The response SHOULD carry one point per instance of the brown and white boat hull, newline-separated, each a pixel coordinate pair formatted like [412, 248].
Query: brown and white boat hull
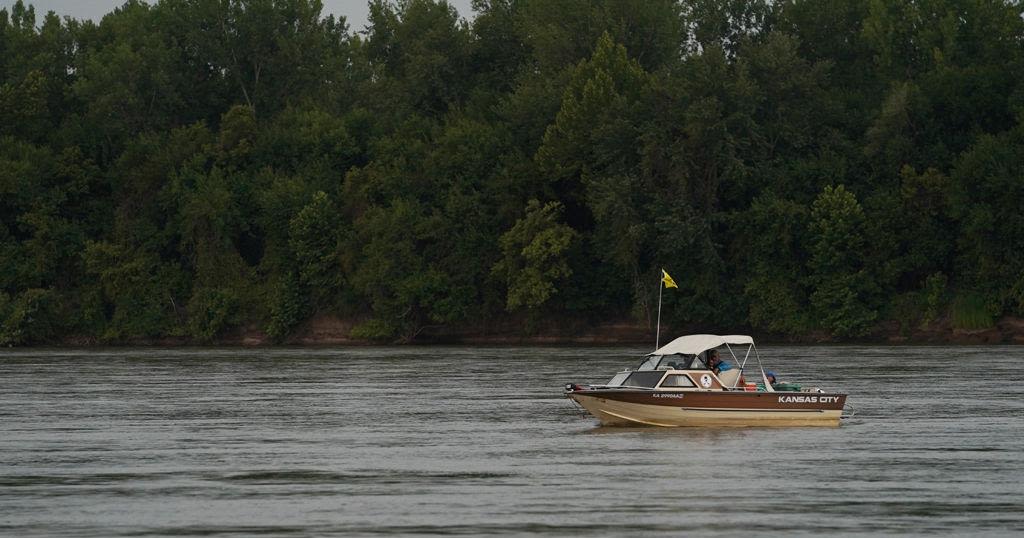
[711, 408]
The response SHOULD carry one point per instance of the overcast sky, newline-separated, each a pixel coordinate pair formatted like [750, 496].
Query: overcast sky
[354, 11]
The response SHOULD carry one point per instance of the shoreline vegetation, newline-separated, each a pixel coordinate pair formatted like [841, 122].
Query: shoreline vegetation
[331, 331]
[258, 172]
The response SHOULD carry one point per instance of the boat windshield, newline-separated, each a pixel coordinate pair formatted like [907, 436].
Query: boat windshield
[677, 361]
[619, 378]
[646, 379]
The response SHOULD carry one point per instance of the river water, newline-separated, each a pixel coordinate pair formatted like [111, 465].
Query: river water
[471, 441]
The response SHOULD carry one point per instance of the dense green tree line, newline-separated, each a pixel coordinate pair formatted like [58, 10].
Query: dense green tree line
[189, 167]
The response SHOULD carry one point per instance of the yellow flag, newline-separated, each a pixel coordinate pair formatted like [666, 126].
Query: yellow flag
[669, 283]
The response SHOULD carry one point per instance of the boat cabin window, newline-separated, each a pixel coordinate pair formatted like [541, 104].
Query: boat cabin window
[650, 362]
[646, 379]
[676, 361]
[683, 362]
[677, 380]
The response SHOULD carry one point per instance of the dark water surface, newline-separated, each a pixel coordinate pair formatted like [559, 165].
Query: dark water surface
[468, 441]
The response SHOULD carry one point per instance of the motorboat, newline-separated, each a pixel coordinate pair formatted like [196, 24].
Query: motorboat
[675, 386]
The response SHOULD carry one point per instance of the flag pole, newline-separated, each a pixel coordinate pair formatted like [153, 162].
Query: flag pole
[657, 332]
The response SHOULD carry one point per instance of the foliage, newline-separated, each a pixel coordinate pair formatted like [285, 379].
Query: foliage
[934, 297]
[776, 290]
[25, 319]
[139, 290]
[534, 255]
[192, 167]
[313, 235]
[211, 311]
[971, 312]
[374, 329]
[841, 285]
[288, 306]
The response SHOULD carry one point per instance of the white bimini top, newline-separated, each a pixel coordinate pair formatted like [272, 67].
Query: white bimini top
[693, 344]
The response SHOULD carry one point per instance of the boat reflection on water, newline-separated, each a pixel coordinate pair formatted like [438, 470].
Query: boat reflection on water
[675, 386]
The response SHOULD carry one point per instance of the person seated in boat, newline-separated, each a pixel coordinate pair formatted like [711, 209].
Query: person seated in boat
[772, 379]
[778, 386]
[716, 364]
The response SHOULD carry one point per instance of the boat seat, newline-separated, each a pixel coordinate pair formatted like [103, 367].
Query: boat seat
[730, 377]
